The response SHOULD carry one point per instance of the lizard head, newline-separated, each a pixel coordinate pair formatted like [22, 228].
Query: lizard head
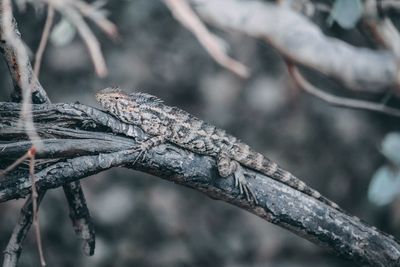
[110, 96]
[119, 104]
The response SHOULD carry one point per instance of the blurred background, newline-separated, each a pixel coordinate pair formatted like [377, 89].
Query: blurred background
[142, 220]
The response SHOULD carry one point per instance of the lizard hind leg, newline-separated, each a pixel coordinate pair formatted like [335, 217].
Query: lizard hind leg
[227, 167]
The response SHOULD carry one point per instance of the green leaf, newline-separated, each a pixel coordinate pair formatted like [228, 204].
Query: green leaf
[384, 186]
[346, 13]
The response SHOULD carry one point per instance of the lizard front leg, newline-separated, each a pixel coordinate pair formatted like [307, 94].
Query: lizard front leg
[227, 167]
[142, 147]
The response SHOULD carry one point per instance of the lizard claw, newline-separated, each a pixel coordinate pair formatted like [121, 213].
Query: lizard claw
[141, 155]
[141, 150]
[246, 193]
[227, 167]
[142, 147]
[244, 186]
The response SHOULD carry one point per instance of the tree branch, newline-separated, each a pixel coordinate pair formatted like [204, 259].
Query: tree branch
[39, 95]
[66, 128]
[80, 216]
[14, 246]
[303, 42]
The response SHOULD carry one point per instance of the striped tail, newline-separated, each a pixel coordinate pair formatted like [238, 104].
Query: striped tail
[258, 162]
[287, 178]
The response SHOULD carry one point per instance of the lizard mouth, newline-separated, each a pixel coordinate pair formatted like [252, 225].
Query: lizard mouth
[103, 102]
[98, 97]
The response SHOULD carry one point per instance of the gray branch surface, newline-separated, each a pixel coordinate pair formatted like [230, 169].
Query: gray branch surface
[80, 141]
[303, 42]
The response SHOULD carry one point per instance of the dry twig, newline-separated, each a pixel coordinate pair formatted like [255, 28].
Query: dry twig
[97, 16]
[73, 11]
[14, 164]
[86, 34]
[336, 100]
[43, 40]
[213, 44]
[31, 154]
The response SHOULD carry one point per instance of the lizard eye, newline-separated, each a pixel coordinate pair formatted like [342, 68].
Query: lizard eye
[117, 97]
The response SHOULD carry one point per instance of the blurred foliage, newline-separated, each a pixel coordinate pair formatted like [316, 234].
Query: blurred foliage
[385, 184]
[391, 147]
[346, 13]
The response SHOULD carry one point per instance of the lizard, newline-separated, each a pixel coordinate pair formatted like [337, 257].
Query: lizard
[170, 124]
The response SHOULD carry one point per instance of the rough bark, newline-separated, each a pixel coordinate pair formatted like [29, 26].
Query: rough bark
[79, 141]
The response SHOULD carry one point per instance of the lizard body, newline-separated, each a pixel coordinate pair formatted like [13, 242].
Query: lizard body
[174, 125]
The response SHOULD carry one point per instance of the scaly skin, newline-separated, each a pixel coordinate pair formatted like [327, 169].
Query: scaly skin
[174, 125]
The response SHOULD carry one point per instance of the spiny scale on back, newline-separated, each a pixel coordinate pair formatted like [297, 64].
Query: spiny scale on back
[189, 132]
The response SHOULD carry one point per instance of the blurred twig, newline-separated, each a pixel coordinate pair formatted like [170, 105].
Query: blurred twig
[336, 100]
[97, 15]
[15, 164]
[388, 5]
[87, 36]
[43, 40]
[74, 10]
[213, 44]
[10, 55]
[35, 209]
